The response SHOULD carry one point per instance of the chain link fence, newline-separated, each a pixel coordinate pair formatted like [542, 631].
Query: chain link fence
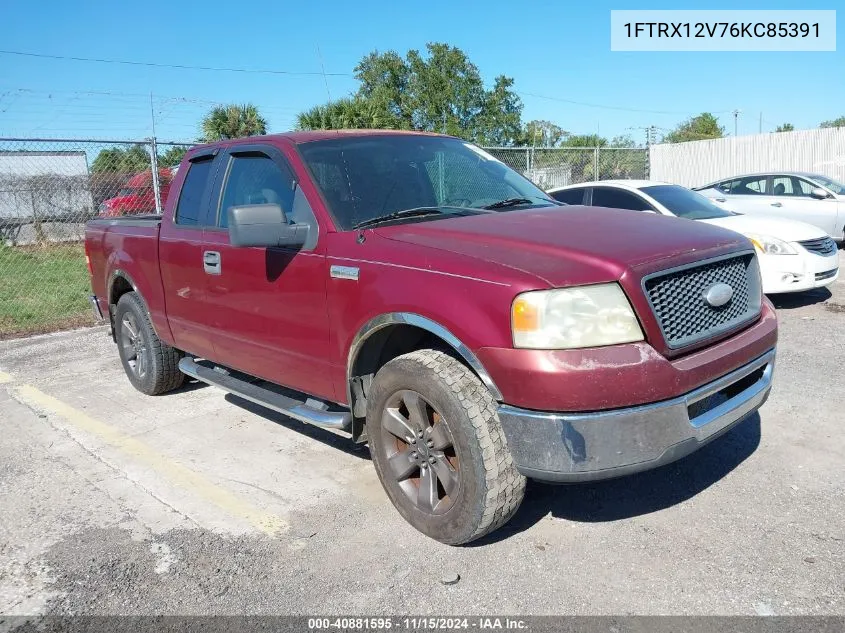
[48, 190]
[560, 166]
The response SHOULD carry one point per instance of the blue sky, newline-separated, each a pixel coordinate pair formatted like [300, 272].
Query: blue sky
[560, 50]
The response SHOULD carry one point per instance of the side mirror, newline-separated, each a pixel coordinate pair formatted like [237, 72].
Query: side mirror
[263, 225]
[818, 193]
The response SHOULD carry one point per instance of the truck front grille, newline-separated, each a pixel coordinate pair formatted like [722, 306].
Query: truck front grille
[678, 298]
[821, 246]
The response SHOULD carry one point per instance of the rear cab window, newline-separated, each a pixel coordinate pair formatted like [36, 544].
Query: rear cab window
[189, 211]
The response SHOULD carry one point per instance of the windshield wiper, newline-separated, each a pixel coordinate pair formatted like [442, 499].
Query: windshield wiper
[514, 202]
[404, 213]
[508, 202]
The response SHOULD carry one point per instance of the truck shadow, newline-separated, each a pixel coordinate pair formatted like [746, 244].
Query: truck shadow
[800, 299]
[188, 386]
[325, 436]
[639, 494]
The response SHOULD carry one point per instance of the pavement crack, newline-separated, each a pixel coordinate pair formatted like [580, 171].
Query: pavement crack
[273, 494]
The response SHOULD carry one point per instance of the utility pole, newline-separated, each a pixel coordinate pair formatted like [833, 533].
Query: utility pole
[736, 114]
[152, 114]
[154, 160]
[650, 133]
[650, 137]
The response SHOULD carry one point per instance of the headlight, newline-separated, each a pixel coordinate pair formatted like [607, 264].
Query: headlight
[770, 245]
[568, 318]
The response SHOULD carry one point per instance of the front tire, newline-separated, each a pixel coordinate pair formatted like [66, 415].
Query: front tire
[151, 365]
[439, 449]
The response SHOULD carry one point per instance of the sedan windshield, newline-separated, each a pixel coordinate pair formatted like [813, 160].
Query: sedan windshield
[685, 203]
[835, 186]
[367, 177]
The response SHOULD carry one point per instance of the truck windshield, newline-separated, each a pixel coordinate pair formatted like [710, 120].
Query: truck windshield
[367, 177]
[685, 203]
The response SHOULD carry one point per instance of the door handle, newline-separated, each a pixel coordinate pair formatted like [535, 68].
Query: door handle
[777, 204]
[720, 199]
[211, 262]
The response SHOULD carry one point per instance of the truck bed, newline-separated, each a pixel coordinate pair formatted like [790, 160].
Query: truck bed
[128, 244]
[127, 220]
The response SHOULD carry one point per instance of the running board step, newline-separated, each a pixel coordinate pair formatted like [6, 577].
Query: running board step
[297, 409]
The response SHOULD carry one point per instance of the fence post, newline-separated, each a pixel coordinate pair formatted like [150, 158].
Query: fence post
[154, 168]
[528, 163]
[596, 174]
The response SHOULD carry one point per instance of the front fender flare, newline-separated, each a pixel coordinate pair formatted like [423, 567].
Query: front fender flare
[408, 318]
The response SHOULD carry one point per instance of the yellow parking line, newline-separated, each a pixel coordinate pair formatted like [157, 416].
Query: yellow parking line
[4, 378]
[176, 473]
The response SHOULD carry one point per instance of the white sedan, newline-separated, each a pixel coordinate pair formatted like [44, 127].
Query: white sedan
[793, 255]
[802, 196]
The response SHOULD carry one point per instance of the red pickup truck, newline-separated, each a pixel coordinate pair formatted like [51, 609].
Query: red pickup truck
[137, 196]
[415, 292]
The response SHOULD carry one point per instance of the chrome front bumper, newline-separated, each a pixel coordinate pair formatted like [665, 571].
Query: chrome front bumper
[566, 447]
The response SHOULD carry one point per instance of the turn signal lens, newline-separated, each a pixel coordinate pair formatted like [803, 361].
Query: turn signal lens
[525, 316]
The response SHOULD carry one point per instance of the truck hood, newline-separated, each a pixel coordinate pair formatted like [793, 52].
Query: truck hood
[781, 228]
[573, 244]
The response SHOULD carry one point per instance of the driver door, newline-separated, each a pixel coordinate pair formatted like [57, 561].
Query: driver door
[267, 306]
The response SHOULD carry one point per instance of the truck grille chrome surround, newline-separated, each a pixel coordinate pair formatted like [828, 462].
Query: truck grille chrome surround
[679, 298]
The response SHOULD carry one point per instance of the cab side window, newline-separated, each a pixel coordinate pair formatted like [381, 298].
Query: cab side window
[258, 179]
[188, 209]
[255, 179]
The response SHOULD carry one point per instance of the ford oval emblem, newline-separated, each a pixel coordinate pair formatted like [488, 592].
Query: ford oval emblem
[718, 295]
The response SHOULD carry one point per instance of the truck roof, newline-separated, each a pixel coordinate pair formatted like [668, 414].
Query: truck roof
[307, 136]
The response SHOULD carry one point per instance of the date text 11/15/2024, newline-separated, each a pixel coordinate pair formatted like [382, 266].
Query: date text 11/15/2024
[416, 623]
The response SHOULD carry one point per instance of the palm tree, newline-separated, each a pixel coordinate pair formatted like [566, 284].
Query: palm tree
[232, 121]
[345, 113]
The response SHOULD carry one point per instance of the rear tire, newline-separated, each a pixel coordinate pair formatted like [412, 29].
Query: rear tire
[151, 365]
[439, 449]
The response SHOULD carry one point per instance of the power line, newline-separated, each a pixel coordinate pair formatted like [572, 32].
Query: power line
[607, 107]
[265, 71]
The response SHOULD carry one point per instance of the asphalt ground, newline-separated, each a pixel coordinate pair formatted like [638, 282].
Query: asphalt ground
[196, 502]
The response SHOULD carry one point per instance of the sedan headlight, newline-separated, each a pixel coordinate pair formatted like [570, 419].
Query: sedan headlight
[569, 318]
[769, 245]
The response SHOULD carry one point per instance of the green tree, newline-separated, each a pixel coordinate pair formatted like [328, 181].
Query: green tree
[232, 121]
[585, 140]
[349, 112]
[697, 128]
[172, 156]
[500, 119]
[786, 127]
[624, 140]
[542, 134]
[840, 122]
[132, 159]
[441, 91]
